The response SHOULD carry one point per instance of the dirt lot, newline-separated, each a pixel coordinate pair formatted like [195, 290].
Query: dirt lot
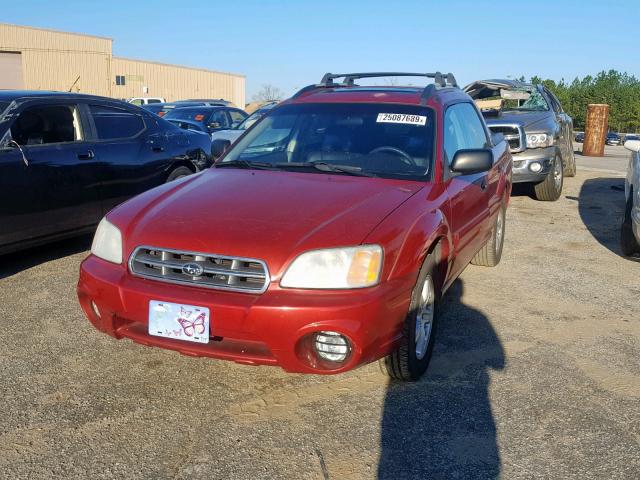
[535, 375]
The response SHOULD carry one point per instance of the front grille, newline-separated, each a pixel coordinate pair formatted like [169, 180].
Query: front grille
[513, 134]
[200, 269]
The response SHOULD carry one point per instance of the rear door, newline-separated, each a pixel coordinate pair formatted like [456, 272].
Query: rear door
[468, 194]
[50, 185]
[132, 152]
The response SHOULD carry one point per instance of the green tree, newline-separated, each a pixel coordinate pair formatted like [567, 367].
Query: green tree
[621, 91]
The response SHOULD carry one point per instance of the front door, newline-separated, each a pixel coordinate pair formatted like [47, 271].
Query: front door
[468, 194]
[49, 175]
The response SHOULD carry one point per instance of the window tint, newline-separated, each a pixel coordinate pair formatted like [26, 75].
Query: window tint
[219, 116]
[115, 123]
[44, 124]
[236, 117]
[463, 129]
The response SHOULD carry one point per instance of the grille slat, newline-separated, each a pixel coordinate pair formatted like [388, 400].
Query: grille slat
[513, 134]
[218, 271]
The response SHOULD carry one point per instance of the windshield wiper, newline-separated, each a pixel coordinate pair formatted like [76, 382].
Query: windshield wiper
[245, 164]
[327, 167]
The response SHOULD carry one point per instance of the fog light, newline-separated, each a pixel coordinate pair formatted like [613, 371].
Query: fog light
[95, 309]
[331, 346]
[535, 167]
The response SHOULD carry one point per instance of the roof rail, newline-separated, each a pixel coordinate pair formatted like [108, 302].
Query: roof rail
[440, 80]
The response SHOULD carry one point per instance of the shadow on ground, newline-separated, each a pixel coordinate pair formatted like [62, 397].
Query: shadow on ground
[601, 207]
[16, 262]
[443, 426]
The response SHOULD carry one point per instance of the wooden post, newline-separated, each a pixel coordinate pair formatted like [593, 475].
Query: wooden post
[595, 133]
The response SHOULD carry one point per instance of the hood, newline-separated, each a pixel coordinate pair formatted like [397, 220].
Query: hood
[529, 120]
[267, 215]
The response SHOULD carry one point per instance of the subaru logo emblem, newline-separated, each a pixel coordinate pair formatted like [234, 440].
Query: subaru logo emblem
[192, 269]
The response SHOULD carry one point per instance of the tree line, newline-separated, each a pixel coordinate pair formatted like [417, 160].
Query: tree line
[620, 91]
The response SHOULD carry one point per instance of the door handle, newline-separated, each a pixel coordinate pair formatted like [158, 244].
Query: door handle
[483, 184]
[88, 155]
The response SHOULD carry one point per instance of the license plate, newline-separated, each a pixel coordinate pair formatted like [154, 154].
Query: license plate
[178, 321]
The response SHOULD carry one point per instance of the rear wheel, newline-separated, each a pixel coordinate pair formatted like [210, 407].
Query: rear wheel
[491, 253]
[178, 173]
[570, 164]
[628, 242]
[411, 359]
[550, 189]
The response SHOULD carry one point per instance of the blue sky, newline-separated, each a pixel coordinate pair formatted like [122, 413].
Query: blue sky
[292, 43]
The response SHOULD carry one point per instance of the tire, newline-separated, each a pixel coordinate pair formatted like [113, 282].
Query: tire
[178, 173]
[410, 360]
[550, 189]
[491, 253]
[628, 243]
[570, 166]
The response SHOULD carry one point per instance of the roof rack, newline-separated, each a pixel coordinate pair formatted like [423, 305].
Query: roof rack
[440, 80]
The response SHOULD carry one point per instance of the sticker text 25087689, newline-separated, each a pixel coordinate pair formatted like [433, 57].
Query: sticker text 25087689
[401, 118]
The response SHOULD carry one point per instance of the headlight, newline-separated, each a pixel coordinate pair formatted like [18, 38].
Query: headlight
[107, 242]
[350, 267]
[539, 140]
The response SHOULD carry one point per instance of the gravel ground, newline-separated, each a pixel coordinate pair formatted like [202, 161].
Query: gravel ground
[534, 375]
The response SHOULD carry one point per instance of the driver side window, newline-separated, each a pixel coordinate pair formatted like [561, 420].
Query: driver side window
[46, 124]
[463, 130]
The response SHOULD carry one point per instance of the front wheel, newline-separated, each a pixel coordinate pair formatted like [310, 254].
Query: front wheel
[550, 189]
[411, 359]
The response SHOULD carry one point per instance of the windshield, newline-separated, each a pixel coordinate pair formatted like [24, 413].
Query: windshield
[254, 117]
[193, 114]
[385, 140]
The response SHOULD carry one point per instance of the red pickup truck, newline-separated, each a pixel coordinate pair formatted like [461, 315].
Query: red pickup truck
[321, 240]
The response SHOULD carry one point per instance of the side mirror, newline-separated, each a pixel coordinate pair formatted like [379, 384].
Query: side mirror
[633, 145]
[467, 162]
[214, 125]
[497, 137]
[219, 146]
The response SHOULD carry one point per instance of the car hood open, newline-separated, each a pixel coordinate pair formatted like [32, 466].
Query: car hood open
[267, 215]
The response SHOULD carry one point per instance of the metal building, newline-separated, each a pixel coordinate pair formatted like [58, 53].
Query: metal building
[40, 59]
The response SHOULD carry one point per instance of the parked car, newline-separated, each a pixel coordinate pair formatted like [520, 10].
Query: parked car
[67, 159]
[159, 109]
[323, 239]
[209, 118]
[580, 137]
[631, 137]
[630, 232]
[206, 101]
[232, 134]
[145, 100]
[613, 139]
[539, 132]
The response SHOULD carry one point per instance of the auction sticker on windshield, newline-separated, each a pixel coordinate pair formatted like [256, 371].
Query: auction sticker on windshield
[401, 118]
[180, 322]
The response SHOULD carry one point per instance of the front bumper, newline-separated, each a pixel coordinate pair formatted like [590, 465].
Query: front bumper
[523, 161]
[266, 329]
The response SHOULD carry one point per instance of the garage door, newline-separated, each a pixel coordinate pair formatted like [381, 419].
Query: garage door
[10, 71]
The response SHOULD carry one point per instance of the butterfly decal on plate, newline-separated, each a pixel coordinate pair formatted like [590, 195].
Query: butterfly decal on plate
[190, 327]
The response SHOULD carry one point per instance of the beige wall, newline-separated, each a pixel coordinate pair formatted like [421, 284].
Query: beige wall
[174, 82]
[53, 60]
